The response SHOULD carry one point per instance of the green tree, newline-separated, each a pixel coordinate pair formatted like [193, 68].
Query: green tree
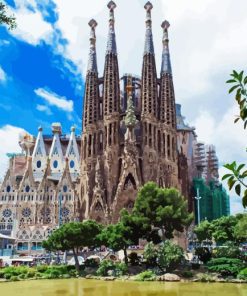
[151, 254]
[170, 255]
[6, 19]
[240, 231]
[223, 229]
[164, 208]
[117, 237]
[72, 236]
[140, 227]
[204, 231]
[228, 250]
[237, 178]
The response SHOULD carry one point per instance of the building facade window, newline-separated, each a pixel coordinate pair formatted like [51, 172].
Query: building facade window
[72, 164]
[55, 164]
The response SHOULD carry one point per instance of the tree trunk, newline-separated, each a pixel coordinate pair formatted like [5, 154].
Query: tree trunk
[77, 265]
[125, 256]
[163, 234]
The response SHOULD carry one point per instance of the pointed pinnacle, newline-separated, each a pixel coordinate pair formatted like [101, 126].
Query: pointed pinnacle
[111, 5]
[92, 23]
[148, 6]
[165, 25]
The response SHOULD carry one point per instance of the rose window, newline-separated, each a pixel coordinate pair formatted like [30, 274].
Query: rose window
[26, 212]
[7, 213]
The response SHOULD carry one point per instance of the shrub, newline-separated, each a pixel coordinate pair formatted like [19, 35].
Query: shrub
[147, 275]
[52, 273]
[72, 273]
[107, 265]
[187, 274]
[228, 250]
[1, 274]
[150, 254]
[38, 275]
[203, 254]
[205, 277]
[225, 266]
[7, 276]
[170, 255]
[243, 274]
[42, 268]
[22, 276]
[133, 257]
[31, 273]
[14, 278]
[16, 270]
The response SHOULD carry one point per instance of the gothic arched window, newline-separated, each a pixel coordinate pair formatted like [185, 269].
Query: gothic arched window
[129, 182]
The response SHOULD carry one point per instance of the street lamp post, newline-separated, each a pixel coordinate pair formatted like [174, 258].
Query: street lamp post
[198, 197]
[59, 210]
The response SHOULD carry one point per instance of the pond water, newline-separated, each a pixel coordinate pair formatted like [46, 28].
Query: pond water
[81, 287]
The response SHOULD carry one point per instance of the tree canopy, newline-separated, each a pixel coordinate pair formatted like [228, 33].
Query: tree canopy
[8, 20]
[163, 208]
[204, 231]
[117, 237]
[224, 229]
[72, 236]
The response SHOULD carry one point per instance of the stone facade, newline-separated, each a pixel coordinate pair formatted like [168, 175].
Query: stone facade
[124, 148]
[129, 137]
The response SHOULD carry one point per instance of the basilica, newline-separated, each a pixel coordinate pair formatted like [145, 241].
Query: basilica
[133, 132]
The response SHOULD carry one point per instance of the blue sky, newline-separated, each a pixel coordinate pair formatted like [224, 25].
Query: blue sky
[43, 62]
[30, 68]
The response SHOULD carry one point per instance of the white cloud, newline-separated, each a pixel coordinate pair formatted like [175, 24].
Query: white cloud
[44, 108]
[230, 142]
[3, 75]
[9, 135]
[229, 138]
[130, 31]
[55, 100]
[31, 27]
[204, 38]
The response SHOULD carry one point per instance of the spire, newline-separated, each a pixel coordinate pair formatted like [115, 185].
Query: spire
[39, 148]
[166, 63]
[130, 118]
[111, 41]
[149, 75]
[92, 61]
[111, 89]
[149, 46]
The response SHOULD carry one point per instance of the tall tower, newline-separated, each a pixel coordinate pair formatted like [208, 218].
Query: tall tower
[149, 76]
[149, 100]
[91, 133]
[91, 101]
[111, 105]
[167, 114]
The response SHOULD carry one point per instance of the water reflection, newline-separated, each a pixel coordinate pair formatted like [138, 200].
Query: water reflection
[80, 287]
